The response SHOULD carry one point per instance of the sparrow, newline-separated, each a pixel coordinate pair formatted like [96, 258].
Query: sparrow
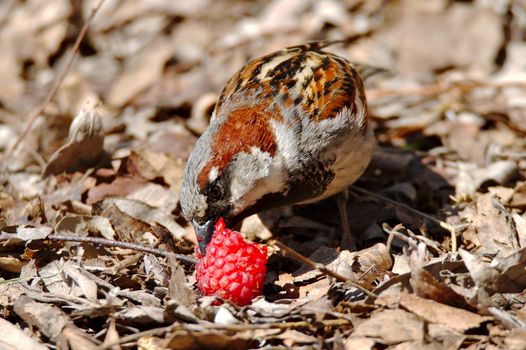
[290, 127]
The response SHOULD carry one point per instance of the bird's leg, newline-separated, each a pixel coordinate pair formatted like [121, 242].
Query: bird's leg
[348, 242]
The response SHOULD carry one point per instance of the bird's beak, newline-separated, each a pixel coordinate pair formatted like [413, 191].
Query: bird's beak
[204, 234]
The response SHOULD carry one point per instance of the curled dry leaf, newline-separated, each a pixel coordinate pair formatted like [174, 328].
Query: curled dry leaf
[11, 264]
[505, 275]
[426, 285]
[365, 265]
[83, 148]
[200, 117]
[253, 227]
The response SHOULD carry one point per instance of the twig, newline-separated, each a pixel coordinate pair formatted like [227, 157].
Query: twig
[58, 82]
[231, 328]
[135, 336]
[320, 267]
[125, 245]
[25, 279]
[439, 222]
[394, 233]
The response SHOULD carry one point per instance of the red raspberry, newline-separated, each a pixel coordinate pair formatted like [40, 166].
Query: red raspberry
[232, 268]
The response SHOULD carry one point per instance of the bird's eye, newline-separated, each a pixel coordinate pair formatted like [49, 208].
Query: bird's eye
[215, 192]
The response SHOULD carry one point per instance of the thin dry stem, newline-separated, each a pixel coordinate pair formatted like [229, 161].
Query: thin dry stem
[124, 245]
[287, 251]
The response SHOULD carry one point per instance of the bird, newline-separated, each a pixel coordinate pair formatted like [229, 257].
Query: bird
[290, 127]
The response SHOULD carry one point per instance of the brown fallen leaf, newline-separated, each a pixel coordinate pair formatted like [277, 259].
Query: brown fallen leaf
[82, 281]
[11, 264]
[60, 329]
[427, 286]
[143, 315]
[505, 275]
[127, 227]
[29, 32]
[150, 343]
[513, 272]
[178, 288]
[120, 187]
[156, 196]
[84, 146]
[26, 233]
[83, 225]
[142, 212]
[12, 337]
[494, 226]
[390, 327]
[435, 312]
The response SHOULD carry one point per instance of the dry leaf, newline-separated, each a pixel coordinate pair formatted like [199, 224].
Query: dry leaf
[177, 287]
[84, 225]
[11, 264]
[434, 312]
[494, 226]
[84, 147]
[14, 338]
[391, 327]
[503, 276]
[143, 212]
[40, 314]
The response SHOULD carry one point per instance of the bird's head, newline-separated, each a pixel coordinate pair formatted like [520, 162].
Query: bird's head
[234, 171]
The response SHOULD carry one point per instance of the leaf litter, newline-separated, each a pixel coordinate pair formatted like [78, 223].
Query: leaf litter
[93, 151]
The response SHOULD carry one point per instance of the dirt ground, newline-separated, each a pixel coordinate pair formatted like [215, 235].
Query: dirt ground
[100, 108]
